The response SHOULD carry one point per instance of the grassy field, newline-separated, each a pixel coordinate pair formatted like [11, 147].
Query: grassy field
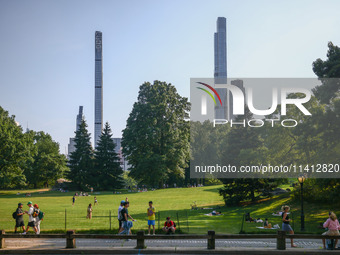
[168, 202]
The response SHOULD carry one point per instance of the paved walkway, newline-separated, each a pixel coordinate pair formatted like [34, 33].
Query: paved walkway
[104, 243]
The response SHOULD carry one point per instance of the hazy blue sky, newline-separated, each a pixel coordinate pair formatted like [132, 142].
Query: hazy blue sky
[47, 51]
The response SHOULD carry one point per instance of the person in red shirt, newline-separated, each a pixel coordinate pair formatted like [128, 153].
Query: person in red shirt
[169, 226]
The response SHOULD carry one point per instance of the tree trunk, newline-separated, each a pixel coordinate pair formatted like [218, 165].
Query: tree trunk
[252, 195]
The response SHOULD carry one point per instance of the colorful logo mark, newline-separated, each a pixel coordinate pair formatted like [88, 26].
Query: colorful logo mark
[209, 93]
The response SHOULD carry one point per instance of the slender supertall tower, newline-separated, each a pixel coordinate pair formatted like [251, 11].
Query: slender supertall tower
[220, 70]
[98, 85]
[79, 117]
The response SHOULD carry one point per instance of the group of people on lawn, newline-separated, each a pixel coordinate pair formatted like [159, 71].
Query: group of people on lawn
[35, 216]
[125, 225]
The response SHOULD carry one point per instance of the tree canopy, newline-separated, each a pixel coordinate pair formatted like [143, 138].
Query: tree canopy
[156, 138]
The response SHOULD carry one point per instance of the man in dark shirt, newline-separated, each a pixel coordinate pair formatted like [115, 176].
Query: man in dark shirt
[19, 221]
[126, 225]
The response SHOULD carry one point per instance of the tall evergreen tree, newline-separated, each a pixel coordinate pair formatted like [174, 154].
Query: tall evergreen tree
[107, 173]
[81, 160]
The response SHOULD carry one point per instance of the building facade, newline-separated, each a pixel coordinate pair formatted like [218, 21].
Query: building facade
[123, 162]
[71, 145]
[98, 85]
[220, 67]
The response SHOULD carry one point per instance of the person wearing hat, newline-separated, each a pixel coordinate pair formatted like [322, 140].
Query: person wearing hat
[151, 212]
[169, 226]
[37, 219]
[19, 220]
[31, 219]
[120, 217]
[126, 225]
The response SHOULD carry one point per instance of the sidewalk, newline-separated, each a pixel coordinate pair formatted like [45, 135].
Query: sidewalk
[170, 250]
[100, 246]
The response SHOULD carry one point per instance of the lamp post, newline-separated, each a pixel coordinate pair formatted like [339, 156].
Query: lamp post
[301, 180]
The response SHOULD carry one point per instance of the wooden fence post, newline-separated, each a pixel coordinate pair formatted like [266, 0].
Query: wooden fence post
[211, 240]
[281, 240]
[2, 240]
[140, 240]
[70, 239]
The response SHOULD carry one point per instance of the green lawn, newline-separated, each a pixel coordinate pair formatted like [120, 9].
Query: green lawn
[168, 202]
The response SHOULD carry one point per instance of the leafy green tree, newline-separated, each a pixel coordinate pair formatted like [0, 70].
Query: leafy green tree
[245, 146]
[156, 138]
[81, 160]
[329, 68]
[319, 137]
[48, 164]
[107, 173]
[15, 151]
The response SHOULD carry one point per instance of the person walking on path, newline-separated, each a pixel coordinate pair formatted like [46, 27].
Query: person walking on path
[285, 223]
[120, 218]
[89, 212]
[333, 226]
[126, 225]
[19, 219]
[38, 217]
[31, 219]
[151, 212]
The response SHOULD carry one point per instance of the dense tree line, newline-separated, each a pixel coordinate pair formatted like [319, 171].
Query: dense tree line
[313, 141]
[323, 138]
[99, 168]
[27, 159]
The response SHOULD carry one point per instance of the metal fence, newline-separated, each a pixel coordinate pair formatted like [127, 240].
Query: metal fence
[108, 220]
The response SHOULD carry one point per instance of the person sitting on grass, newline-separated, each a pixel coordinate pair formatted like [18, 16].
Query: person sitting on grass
[333, 226]
[169, 226]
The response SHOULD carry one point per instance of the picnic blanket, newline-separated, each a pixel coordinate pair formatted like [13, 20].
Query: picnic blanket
[210, 214]
[267, 228]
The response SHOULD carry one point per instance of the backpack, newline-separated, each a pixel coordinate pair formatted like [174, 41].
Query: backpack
[41, 215]
[173, 223]
[14, 215]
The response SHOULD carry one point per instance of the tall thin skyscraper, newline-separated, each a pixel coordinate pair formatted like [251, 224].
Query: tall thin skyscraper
[220, 70]
[72, 144]
[79, 117]
[98, 104]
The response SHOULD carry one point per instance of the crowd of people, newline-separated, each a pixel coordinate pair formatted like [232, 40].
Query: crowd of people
[35, 217]
[125, 220]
